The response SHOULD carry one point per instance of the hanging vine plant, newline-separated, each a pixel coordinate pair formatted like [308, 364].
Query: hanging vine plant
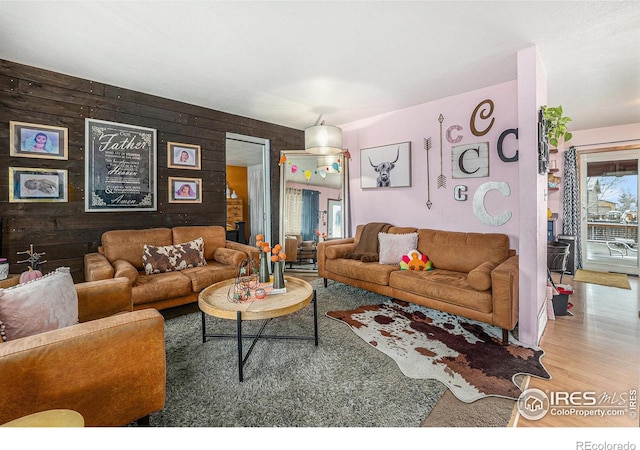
[557, 124]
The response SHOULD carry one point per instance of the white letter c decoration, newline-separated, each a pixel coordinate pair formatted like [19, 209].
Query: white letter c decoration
[478, 203]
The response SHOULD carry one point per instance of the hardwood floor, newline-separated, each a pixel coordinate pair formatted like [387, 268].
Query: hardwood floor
[597, 350]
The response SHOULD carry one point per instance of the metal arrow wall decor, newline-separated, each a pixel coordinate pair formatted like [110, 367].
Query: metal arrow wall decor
[427, 147]
[442, 180]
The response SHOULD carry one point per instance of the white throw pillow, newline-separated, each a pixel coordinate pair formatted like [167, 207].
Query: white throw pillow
[394, 246]
[44, 304]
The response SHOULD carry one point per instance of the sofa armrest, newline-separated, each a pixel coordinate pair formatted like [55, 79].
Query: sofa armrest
[97, 267]
[123, 268]
[111, 370]
[291, 249]
[335, 248]
[103, 298]
[229, 256]
[505, 285]
[249, 250]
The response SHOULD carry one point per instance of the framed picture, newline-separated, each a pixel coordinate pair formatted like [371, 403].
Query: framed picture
[31, 140]
[37, 185]
[185, 190]
[386, 166]
[120, 167]
[183, 156]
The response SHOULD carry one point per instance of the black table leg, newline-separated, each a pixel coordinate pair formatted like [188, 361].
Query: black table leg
[204, 331]
[315, 317]
[239, 334]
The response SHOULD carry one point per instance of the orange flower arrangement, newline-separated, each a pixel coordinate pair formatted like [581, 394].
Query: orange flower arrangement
[278, 254]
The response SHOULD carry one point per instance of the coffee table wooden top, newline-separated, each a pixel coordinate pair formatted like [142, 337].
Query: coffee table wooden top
[50, 418]
[214, 301]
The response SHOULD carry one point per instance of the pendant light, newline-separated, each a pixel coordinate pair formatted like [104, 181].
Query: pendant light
[323, 140]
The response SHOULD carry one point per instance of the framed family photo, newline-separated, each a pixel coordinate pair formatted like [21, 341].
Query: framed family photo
[37, 185]
[183, 156]
[185, 190]
[386, 166]
[31, 140]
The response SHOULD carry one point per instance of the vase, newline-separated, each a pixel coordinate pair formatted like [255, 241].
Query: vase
[278, 275]
[264, 267]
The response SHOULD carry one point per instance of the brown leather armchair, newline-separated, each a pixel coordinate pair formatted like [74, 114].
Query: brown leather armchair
[111, 367]
[298, 250]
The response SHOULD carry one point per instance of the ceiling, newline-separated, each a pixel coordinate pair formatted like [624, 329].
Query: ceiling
[299, 63]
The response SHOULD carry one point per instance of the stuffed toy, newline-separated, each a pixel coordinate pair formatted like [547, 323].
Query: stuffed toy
[414, 260]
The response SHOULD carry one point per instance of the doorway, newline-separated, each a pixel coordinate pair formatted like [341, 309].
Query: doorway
[609, 210]
[254, 154]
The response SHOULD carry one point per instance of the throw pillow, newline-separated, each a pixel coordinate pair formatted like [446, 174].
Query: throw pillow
[480, 277]
[415, 260]
[394, 246]
[173, 257]
[39, 305]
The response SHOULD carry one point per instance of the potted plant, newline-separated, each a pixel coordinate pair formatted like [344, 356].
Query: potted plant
[557, 124]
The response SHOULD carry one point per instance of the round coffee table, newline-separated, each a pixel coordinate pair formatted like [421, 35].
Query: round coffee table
[49, 418]
[215, 301]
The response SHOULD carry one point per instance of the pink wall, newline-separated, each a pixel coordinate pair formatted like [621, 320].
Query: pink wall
[407, 206]
[515, 106]
[532, 93]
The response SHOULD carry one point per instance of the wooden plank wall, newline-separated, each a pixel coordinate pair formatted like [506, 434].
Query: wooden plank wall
[64, 231]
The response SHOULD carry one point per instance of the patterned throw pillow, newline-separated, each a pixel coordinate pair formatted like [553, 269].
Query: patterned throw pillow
[44, 304]
[173, 257]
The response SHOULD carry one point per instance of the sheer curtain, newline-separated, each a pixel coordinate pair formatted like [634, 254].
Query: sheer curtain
[571, 208]
[293, 208]
[310, 207]
[255, 183]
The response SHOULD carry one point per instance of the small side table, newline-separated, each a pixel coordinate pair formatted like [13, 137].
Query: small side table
[50, 418]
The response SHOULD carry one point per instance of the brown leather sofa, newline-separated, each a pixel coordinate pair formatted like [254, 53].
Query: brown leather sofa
[121, 255]
[111, 367]
[475, 274]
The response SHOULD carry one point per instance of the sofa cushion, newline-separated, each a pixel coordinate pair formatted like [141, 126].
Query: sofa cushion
[204, 276]
[462, 252]
[129, 244]
[39, 305]
[402, 230]
[160, 286]
[480, 277]
[369, 272]
[442, 285]
[394, 246]
[173, 257]
[214, 237]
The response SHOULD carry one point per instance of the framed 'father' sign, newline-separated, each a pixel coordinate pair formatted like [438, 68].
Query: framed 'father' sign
[120, 167]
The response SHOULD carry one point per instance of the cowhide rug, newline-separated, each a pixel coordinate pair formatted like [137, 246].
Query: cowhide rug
[466, 355]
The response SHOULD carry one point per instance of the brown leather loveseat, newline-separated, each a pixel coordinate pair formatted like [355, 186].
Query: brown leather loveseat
[475, 275]
[123, 251]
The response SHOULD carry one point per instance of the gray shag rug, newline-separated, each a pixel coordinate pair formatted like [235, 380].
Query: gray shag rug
[344, 382]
